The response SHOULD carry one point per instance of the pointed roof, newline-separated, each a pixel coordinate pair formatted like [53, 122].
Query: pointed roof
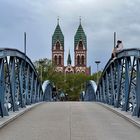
[69, 59]
[58, 35]
[80, 35]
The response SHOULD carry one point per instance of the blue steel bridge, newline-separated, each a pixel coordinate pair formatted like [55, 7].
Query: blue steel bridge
[118, 87]
[119, 84]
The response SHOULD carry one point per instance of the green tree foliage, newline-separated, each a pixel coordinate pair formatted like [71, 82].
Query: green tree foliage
[96, 76]
[72, 84]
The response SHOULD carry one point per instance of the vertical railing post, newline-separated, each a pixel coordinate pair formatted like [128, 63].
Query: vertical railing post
[137, 112]
[112, 85]
[13, 83]
[126, 85]
[3, 110]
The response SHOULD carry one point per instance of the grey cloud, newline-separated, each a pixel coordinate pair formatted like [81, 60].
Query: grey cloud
[100, 19]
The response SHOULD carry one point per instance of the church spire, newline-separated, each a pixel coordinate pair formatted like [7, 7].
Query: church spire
[69, 59]
[58, 35]
[58, 20]
[80, 36]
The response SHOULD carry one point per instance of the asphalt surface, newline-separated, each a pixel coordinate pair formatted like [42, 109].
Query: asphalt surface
[70, 121]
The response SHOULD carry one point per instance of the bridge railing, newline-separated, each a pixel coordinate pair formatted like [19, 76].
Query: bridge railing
[90, 91]
[119, 84]
[47, 90]
[19, 82]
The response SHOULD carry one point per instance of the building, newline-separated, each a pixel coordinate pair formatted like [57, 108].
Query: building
[80, 52]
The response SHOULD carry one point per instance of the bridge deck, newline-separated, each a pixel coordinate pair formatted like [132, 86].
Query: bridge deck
[69, 121]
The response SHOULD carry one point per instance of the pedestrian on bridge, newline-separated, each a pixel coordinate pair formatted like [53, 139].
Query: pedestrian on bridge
[62, 96]
[117, 48]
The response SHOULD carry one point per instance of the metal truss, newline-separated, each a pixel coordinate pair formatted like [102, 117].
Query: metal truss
[47, 90]
[19, 83]
[89, 94]
[119, 84]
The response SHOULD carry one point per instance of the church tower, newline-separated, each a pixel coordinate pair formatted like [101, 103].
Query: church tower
[80, 50]
[58, 48]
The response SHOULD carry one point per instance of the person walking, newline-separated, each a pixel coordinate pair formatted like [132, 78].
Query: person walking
[62, 96]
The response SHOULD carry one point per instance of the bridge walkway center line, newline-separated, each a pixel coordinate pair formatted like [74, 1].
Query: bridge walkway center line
[69, 121]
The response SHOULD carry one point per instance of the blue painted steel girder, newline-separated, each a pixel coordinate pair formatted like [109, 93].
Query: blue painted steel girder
[3, 110]
[47, 89]
[119, 82]
[19, 82]
[137, 108]
[90, 91]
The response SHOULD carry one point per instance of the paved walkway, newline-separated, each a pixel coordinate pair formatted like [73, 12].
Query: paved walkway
[69, 121]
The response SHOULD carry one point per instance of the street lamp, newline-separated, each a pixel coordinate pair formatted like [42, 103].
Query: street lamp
[41, 71]
[97, 62]
[41, 74]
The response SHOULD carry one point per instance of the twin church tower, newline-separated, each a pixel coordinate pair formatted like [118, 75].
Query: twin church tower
[80, 52]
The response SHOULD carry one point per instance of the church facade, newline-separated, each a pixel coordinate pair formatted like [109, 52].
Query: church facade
[80, 52]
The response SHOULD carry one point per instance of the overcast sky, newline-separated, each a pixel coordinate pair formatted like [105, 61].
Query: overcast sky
[100, 18]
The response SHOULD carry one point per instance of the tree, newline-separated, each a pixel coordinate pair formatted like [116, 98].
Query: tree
[72, 84]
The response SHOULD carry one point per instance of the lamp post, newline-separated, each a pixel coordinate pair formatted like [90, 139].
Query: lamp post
[25, 44]
[97, 62]
[41, 74]
[41, 71]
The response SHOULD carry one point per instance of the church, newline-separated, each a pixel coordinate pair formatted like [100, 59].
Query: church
[80, 52]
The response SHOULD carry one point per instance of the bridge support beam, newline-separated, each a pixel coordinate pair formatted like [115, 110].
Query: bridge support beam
[119, 84]
[126, 85]
[137, 108]
[13, 83]
[3, 109]
[19, 81]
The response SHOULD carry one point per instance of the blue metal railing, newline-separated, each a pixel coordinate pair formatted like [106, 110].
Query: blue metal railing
[19, 82]
[119, 84]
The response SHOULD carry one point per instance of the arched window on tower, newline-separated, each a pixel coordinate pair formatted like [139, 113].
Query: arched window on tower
[55, 60]
[78, 60]
[80, 45]
[83, 60]
[59, 60]
[57, 45]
